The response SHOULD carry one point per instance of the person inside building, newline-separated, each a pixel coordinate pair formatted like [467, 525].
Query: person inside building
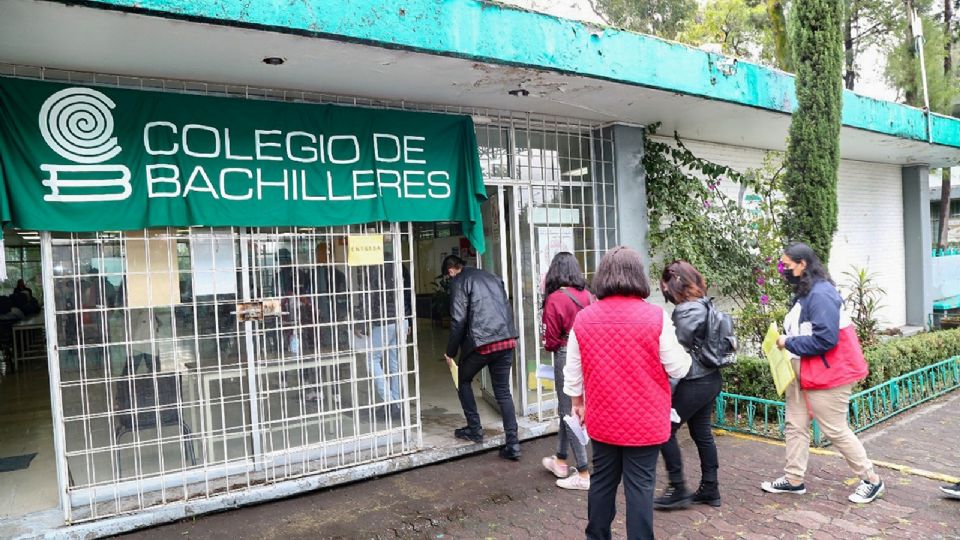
[620, 353]
[378, 305]
[21, 288]
[483, 332]
[565, 294]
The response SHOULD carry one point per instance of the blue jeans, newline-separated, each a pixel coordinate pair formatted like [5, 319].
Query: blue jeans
[385, 337]
[564, 436]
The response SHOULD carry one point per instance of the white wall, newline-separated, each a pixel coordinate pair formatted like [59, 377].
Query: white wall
[870, 223]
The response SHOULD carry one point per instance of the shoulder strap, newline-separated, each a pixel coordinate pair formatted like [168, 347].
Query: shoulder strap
[572, 297]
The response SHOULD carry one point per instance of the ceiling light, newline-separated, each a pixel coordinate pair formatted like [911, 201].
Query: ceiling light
[582, 171]
[274, 60]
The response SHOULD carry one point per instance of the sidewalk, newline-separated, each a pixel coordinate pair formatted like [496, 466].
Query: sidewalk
[483, 496]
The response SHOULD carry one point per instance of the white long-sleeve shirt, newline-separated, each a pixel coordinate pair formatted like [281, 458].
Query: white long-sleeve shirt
[675, 360]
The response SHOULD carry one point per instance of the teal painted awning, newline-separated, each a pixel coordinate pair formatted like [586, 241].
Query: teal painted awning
[491, 33]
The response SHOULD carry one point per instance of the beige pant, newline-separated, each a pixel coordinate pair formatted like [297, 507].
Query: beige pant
[830, 409]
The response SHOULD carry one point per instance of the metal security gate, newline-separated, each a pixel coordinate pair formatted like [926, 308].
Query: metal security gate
[550, 188]
[196, 362]
[161, 403]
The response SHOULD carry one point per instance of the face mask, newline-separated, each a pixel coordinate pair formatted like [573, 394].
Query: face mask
[792, 279]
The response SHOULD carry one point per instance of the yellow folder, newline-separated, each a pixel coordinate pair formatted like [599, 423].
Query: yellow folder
[781, 367]
[455, 373]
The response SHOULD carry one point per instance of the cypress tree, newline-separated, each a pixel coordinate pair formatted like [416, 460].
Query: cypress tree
[813, 151]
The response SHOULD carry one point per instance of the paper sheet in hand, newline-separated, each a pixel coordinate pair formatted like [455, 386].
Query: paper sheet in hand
[455, 373]
[545, 372]
[579, 431]
[780, 365]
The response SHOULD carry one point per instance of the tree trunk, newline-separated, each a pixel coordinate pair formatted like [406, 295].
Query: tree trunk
[944, 236]
[948, 38]
[850, 74]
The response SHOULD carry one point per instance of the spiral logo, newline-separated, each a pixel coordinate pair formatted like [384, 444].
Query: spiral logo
[77, 123]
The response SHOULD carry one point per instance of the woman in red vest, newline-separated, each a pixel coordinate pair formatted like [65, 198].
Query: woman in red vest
[620, 352]
[564, 296]
[828, 361]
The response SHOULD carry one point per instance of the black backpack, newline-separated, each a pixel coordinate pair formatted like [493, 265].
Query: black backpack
[718, 348]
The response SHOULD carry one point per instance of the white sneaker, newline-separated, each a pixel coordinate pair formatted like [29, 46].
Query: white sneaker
[558, 470]
[575, 481]
[866, 492]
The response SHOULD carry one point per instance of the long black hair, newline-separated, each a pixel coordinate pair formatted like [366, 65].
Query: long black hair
[564, 272]
[814, 272]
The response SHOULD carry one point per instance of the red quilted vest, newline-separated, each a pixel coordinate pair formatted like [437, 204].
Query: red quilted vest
[625, 387]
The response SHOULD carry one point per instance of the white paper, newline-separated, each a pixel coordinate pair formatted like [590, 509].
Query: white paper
[674, 417]
[545, 372]
[578, 430]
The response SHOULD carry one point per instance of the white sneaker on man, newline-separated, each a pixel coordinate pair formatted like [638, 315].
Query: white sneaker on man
[559, 470]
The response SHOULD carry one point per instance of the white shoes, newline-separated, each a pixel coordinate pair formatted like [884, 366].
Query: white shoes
[575, 481]
[558, 470]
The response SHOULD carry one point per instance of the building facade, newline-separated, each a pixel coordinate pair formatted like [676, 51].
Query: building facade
[200, 361]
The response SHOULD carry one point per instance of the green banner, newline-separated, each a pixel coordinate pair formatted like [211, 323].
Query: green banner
[76, 158]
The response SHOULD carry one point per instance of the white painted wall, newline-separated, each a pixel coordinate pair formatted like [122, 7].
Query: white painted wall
[870, 224]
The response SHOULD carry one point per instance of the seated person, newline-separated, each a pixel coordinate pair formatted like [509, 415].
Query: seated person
[22, 288]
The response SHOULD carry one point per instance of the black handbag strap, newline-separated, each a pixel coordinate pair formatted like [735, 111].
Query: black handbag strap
[572, 297]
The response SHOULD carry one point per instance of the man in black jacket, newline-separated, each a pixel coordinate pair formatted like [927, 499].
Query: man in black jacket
[482, 329]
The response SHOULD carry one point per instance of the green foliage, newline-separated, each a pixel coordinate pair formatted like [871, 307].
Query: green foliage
[903, 69]
[741, 28]
[899, 356]
[735, 244]
[813, 152]
[662, 18]
[779, 35]
[863, 302]
[750, 376]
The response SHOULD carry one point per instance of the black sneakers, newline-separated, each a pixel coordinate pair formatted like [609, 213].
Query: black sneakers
[781, 485]
[707, 494]
[511, 452]
[468, 434]
[674, 497]
[866, 492]
[952, 491]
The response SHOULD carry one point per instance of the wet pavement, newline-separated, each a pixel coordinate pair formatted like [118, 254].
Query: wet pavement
[483, 496]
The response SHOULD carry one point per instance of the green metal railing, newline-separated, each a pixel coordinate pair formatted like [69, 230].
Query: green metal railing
[945, 252]
[765, 418]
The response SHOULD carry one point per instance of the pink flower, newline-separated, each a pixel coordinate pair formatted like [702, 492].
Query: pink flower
[761, 280]
[780, 267]
[706, 204]
[764, 300]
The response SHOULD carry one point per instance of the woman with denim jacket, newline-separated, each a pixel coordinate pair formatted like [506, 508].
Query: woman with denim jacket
[828, 362]
[694, 395]
[564, 296]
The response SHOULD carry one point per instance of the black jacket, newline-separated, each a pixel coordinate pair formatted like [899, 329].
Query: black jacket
[479, 311]
[690, 321]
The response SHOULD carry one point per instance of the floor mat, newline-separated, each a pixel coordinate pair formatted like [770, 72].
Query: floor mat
[16, 463]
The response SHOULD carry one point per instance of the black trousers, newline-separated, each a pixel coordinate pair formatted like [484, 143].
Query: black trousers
[498, 364]
[694, 401]
[637, 465]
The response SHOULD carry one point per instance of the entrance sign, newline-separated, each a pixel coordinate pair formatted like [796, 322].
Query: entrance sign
[76, 159]
[364, 249]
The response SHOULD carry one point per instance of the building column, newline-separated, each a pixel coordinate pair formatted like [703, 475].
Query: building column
[631, 185]
[917, 243]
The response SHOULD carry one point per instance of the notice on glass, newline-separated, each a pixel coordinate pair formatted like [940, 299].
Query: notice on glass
[364, 249]
[780, 365]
